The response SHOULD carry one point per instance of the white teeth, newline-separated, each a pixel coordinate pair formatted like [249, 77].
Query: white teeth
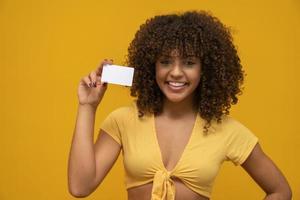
[176, 84]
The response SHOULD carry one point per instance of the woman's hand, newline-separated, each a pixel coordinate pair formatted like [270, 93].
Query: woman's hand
[90, 89]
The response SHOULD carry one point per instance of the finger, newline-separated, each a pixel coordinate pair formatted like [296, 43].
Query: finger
[103, 85]
[87, 81]
[110, 61]
[100, 67]
[93, 77]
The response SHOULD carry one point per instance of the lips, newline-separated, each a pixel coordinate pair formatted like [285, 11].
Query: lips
[176, 86]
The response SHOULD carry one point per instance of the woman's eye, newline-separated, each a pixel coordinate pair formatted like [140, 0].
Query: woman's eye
[190, 63]
[165, 62]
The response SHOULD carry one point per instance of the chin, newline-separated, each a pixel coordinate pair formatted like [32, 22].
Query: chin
[175, 99]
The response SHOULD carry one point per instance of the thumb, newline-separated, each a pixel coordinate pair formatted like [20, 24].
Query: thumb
[101, 85]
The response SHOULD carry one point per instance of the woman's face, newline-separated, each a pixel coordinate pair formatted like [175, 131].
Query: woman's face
[178, 77]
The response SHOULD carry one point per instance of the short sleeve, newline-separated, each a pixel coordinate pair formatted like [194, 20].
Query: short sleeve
[240, 143]
[111, 126]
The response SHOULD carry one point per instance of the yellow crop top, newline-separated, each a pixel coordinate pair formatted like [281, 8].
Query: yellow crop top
[199, 162]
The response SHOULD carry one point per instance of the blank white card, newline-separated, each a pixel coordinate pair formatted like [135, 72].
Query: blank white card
[117, 74]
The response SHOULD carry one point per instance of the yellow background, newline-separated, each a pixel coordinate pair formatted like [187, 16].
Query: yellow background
[47, 46]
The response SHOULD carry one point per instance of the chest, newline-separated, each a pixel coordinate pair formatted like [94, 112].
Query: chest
[172, 138]
[176, 146]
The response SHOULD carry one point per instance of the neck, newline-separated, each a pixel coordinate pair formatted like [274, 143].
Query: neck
[178, 109]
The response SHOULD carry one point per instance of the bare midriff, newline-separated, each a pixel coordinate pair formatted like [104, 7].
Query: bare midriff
[143, 192]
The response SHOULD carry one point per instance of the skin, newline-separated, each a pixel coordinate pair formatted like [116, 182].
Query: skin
[181, 70]
[267, 175]
[178, 112]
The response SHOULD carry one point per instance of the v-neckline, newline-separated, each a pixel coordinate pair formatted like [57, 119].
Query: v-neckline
[184, 149]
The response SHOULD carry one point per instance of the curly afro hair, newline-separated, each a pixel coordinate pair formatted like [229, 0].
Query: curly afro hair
[196, 33]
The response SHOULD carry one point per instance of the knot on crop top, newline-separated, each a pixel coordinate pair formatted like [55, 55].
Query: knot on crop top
[163, 186]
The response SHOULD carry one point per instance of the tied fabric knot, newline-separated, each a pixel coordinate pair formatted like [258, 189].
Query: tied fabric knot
[163, 186]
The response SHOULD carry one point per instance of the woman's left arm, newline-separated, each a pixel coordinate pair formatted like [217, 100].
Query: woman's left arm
[265, 173]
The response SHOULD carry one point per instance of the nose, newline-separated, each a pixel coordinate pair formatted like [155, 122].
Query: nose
[176, 70]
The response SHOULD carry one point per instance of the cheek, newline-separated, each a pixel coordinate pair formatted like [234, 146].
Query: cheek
[160, 75]
[157, 77]
[195, 76]
[159, 80]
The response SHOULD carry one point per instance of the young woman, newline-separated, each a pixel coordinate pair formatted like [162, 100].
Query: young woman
[177, 133]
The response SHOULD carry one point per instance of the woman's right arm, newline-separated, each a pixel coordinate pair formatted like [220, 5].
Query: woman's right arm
[88, 162]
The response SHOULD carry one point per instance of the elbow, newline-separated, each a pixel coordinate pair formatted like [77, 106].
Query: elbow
[289, 194]
[282, 195]
[80, 188]
[78, 193]
[286, 195]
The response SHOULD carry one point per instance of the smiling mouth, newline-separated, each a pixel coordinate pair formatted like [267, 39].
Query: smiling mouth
[176, 86]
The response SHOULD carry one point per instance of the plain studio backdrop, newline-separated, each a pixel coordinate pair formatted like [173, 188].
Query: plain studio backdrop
[47, 46]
